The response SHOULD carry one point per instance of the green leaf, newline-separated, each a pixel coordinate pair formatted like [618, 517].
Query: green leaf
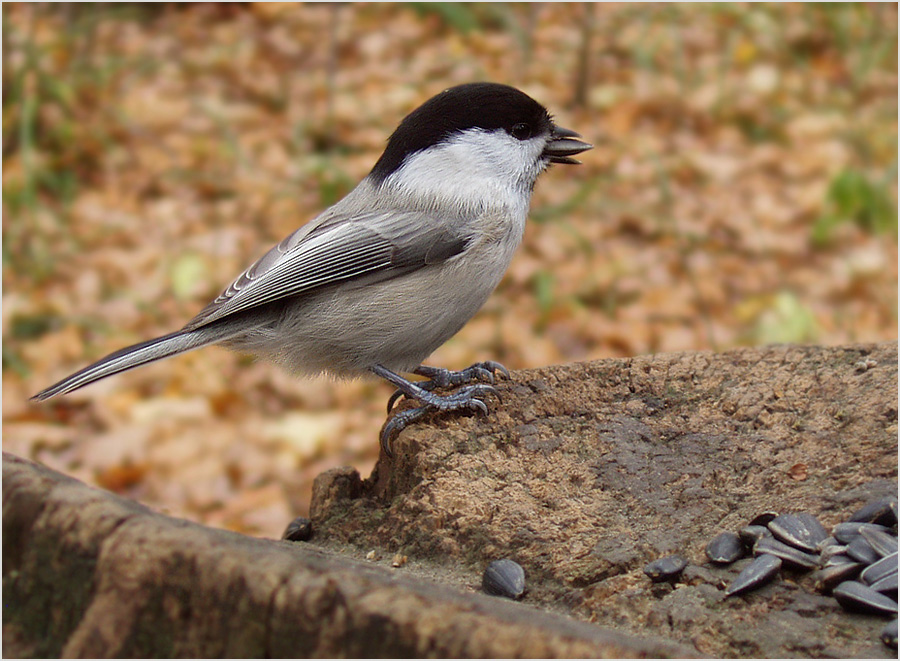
[787, 320]
[185, 273]
[853, 197]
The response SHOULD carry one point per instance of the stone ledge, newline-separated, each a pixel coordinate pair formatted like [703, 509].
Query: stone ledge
[586, 472]
[582, 474]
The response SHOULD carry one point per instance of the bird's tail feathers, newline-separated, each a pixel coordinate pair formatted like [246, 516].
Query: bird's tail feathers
[129, 357]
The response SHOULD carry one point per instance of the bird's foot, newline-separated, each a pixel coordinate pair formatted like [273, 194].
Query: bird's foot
[439, 377]
[469, 397]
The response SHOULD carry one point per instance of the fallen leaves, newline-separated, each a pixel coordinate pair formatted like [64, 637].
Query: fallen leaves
[742, 190]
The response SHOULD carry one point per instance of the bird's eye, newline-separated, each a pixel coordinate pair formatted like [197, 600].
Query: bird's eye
[521, 131]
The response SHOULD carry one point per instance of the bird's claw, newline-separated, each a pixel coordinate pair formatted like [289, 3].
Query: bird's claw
[397, 424]
[443, 378]
[492, 366]
[465, 398]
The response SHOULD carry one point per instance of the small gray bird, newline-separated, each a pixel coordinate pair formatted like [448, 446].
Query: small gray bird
[377, 282]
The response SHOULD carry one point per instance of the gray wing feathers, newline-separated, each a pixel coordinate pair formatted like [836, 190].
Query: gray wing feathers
[341, 251]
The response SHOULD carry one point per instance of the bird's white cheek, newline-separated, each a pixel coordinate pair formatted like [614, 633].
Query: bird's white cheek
[475, 169]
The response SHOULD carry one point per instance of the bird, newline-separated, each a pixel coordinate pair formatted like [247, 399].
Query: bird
[378, 281]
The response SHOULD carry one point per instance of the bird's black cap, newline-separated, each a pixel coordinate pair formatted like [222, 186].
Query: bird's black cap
[488, 106]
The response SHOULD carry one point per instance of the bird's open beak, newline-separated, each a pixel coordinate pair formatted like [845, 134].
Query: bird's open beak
[562, 146]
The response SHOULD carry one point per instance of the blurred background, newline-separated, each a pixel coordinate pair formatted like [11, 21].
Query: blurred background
[743, 191]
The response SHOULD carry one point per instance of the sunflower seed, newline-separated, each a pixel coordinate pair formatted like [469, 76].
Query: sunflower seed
[828, 541]
[759, 572]
[763, 519]
[883, 511]
[827, 578]
[883, 543]
[886, 584]
[665, 569]
[878, 570]
[860, 549]
[855, 596]
[837, 559]
[889, 634]
[752, 534]
[298, 530]
[725, 548]
[847, 532]
[801, 530]
[792, 556]
[504, 578]
[826, 553]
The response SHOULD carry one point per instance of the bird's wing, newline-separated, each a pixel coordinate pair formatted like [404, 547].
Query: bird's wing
[385, 242]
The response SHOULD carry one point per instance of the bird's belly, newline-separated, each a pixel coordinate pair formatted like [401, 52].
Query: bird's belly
[396, 323]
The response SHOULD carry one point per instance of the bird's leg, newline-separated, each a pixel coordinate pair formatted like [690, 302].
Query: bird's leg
[439, 377]
[464, 398]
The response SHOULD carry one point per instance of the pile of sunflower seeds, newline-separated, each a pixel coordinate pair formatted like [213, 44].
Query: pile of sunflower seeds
[856, 563]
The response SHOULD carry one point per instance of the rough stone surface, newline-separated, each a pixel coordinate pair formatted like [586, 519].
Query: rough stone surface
[583, 474]
[89, 574]
[587, 472]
